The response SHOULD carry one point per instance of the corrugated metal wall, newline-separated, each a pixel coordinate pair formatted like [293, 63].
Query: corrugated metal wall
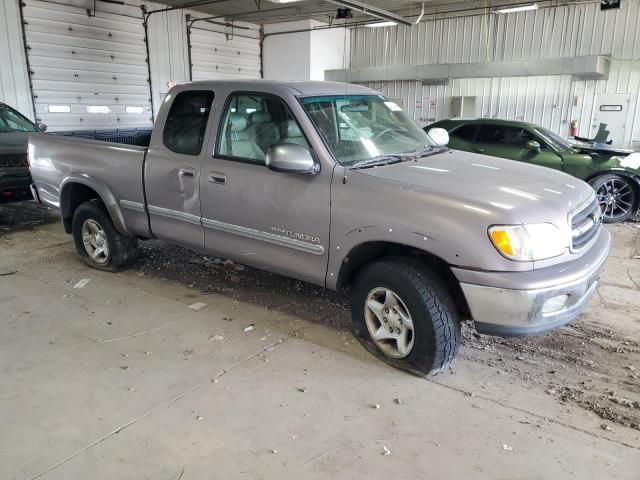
[553, 101]
[14, 80]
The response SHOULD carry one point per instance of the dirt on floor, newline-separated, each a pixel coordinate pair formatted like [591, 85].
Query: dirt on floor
[593, 364]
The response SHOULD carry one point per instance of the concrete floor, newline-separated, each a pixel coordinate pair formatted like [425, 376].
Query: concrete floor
[121, 379]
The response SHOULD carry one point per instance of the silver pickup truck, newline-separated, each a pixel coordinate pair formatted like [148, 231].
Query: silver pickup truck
[333, 184]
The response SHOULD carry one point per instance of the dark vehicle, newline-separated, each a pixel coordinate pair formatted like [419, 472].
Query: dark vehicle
[15, 179]
[615, 178]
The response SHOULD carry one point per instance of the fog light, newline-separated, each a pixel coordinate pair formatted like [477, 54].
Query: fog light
[555, 304]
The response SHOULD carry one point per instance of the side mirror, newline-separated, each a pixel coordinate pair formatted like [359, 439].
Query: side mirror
[439, 136]
[291, 158]
[532, 145]
[42, 127]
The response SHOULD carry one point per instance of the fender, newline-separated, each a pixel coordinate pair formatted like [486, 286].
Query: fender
[103, 192]
[342, 249]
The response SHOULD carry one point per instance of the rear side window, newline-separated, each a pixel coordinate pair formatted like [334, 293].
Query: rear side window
[186, 124]
[465, 132]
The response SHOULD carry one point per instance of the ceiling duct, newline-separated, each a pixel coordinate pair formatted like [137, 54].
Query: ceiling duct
[373, 11]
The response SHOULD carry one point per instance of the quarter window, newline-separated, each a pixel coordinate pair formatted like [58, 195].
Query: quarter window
[186, 124]
[253, 123]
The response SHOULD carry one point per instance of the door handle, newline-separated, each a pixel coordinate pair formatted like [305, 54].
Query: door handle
[217, 177]
[187, 173]
[479, 150]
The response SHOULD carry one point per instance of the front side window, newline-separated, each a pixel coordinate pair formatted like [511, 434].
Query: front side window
[186, 124]
[362, 127]
[253, 123]
[506, 136]
[12, 121]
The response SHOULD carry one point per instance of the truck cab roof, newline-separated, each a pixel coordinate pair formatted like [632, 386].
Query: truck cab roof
[297, 88]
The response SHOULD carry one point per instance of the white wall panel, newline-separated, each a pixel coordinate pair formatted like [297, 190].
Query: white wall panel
[81, 61]
[565, 31]
[14, 79]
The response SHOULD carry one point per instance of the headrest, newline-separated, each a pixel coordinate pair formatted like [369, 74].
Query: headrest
[259, 117]
[238, 122]
[293, 130]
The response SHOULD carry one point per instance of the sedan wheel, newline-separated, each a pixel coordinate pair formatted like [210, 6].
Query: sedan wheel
[616, 197]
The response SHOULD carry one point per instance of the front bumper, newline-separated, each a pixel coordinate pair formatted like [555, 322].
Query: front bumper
[14, 184]
[529, 303]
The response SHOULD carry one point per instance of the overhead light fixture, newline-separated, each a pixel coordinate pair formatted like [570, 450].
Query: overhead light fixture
[518, 8]
[381, 24]
[284, 1]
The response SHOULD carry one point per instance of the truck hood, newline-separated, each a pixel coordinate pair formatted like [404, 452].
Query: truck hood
[14, 142]
[528, 192]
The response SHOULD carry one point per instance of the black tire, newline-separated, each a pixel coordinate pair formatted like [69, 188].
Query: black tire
[622, 193]
[436, 323]
[122, 251]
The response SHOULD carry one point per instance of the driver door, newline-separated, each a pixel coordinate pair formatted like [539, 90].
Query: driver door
[272, 220]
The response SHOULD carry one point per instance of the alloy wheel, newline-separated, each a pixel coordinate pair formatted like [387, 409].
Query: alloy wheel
[95, 241]
[389, 322]
[616, 198]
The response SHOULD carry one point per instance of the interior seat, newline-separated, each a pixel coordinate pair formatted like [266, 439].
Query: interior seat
[293, 134]
[242, 144]
[262, 130]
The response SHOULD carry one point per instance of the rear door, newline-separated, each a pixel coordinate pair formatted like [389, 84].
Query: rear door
[172, 169]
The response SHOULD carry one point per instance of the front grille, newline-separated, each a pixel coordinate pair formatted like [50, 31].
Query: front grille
[585, 224]
[14, 160]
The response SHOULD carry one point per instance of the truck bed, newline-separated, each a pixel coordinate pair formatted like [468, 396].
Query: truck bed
[113, 171]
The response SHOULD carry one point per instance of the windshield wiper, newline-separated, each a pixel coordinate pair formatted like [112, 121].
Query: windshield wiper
[378, 161]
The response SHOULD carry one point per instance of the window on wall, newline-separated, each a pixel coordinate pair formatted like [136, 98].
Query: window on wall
[253, 123]
[186, 124]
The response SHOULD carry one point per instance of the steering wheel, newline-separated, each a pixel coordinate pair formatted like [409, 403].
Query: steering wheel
[383, 132]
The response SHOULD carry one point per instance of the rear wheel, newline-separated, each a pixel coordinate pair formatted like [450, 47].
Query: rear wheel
[98, 242]
[617, 197]
[403, 314]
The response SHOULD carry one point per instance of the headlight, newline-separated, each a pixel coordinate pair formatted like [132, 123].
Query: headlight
[526, 243]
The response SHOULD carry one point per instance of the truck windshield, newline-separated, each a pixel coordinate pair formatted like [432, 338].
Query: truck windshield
[364, 127]
[12, 121]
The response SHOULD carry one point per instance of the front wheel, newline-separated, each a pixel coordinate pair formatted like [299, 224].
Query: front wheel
[617, 196]
[98, 242]
[403, 314]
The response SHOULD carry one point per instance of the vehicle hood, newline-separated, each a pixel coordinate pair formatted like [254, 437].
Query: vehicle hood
[504, 188]
[14, 142]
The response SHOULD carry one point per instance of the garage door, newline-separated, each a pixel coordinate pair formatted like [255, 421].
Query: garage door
[219, 52]
[88, 69]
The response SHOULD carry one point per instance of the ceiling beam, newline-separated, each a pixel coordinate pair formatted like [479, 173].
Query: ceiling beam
[372, 10]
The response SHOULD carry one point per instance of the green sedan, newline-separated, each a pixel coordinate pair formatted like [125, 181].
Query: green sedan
[615, 179]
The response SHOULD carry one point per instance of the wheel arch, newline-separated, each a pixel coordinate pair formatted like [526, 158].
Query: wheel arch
[370, 251]
[77, 189]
